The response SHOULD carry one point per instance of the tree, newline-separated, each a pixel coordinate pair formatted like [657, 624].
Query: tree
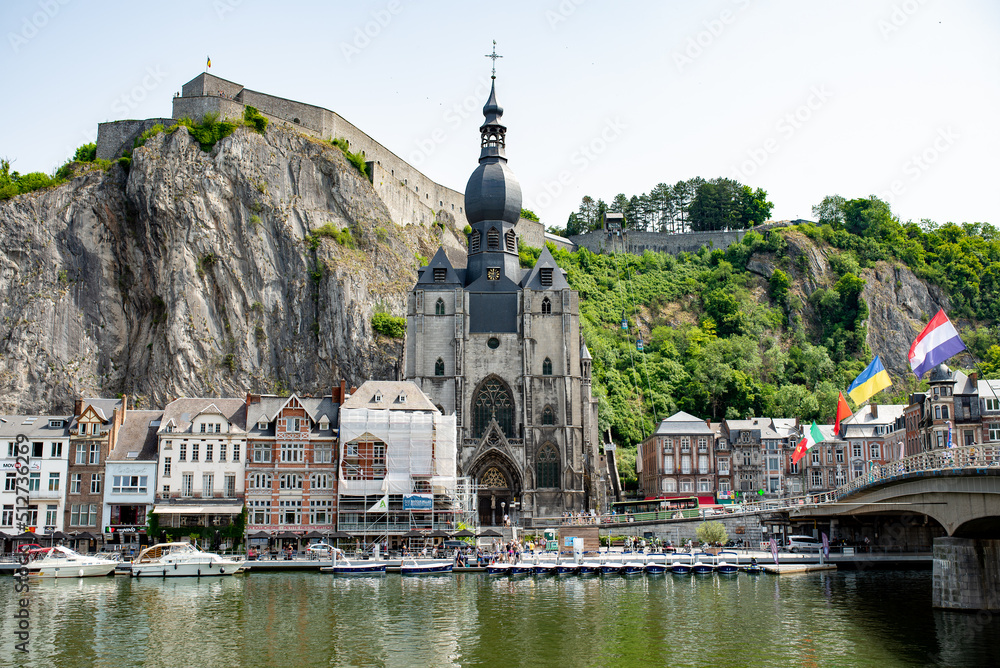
[712, 532]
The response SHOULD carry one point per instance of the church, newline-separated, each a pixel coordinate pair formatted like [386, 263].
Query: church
[499, 346]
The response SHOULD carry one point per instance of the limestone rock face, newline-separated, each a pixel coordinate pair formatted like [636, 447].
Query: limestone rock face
[194, 274]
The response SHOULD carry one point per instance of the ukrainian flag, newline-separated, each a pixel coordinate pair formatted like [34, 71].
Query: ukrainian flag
[872, 380]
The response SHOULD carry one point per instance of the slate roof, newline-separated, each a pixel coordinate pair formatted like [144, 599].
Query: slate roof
[104, 408]
[270, 405]
[181, 412]
[533, 280]
[683, 423]
[453, 277]
[137, 435]
[12, 425]
[862, 424]
[364, 396]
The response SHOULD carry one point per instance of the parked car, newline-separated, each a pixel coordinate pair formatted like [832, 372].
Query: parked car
[452, 544]
[319, 548]
[803, 544]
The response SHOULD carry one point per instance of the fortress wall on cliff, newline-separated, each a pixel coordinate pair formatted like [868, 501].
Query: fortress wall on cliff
[636, 241]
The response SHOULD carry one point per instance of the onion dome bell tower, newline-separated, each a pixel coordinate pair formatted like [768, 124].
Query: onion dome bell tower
[493, 206]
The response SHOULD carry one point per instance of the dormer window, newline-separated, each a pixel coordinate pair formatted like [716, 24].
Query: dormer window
[545, 276]
[377, 398]
[324, 424]
[83, 429]
[55, 423]
[474, 241]
[262, 425]
[401, 399]
[493, 239]
[440, 274]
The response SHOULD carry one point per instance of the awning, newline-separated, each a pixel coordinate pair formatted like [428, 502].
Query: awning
[197, 510]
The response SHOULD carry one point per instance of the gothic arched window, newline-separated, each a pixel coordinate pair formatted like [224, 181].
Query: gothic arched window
[546, 306]
[548, 415]
[492, 401]
[547, 367]
[547, 466]
[510, 241]
[493, 478]
[474, 241]
[439, 307]
[439, 367]
[493, 239]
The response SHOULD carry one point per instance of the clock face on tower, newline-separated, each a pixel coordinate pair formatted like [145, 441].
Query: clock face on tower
[493, 274]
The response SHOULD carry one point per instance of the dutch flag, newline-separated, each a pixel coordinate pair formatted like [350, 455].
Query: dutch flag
[938, 342]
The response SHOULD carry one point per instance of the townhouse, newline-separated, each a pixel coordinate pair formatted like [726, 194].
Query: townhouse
[679, 459]
[130, 475]
[92, 435]
[47, 451]
[874, 435]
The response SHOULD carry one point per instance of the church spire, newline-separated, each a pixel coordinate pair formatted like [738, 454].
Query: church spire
[493, 132]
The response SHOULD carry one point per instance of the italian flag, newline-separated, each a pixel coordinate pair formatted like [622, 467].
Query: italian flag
[813, 436]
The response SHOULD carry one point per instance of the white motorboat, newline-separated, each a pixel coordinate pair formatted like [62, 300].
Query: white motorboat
[343, 566]
[498, 568]
[635, 567]
[682, 563]
[411, 566]
[182, 560]
[656, 564]
[61, 562]
[727, 563]
[590, 568]
[704, 564]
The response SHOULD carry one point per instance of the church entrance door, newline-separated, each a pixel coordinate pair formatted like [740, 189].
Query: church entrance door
[495, 497]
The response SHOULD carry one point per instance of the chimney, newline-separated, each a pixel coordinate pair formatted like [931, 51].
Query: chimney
[124, 408]
[874, 408]
[77, 407]
[974, 377]
[708, 423]
[343, 390]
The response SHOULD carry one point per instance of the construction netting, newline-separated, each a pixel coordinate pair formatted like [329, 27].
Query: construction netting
[418, 446]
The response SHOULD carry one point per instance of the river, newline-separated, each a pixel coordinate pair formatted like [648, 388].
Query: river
[872, 618]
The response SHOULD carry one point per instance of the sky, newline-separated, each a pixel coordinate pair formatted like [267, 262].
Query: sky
[894, 98]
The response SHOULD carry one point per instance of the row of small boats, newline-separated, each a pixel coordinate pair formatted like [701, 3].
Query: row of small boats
[161, 560]
[702, 563]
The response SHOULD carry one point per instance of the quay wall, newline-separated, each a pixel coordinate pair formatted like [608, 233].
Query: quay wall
[966, 574]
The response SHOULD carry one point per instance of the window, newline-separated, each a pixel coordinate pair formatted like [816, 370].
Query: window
[723, 466]
[547, 367]
[856, 449]
[82, 429]
[34, 482]
[817, 478]
[815, 456]
[323, 454]
[56, 449]
[95, 454]
[474, 241]
[547, 466]
[290, 512]
[290, 481]
[83, 514]
[166, 467]
[492, 401]
[685, 464]
[204, 427]
[321, 481]
[321, 512]
[230, 485]
[182, 455]
[669, 485]
[944, 412]
[668, 463]
[993, 404]
[995, 431]
[940, 439]
[439, 367]
[546, 306]
[704, 485]
[969, 438]
[207, 484]
[440, 273]
[8, 516]
[95, 429]
[702, 444]
[723, 485]
[686, 486]
[548, 415]
[260, 481]
[236, 452]
[262, 425]
[510, 241]
[75, 482]
[194, 451]
[685, 444]
[876, 451]
[493, 239]
[793, 467]
[10, 483]
[187, 484]
[292, 452]
[128, 484]
[53, 482]
[702, 463]
[95, 483]
[545, 276]
[937, 412]
[208, 452]
[439, 307]
[222, 452]
[260, 511]
[772, 463]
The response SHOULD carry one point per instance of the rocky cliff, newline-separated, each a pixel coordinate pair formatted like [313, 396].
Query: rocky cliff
[200, 274]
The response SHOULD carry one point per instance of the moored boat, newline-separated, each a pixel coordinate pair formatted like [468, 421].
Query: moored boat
[411, 566]
[522, 568]
[343, 566]
[498, 569]
[656, 564]
[182, 560]
[545, 568]
[612, 567]
[590, 568]
[61, 562]
[635, 567]
[567, 569]
[728, 563]
[704, 564]
[681, 564]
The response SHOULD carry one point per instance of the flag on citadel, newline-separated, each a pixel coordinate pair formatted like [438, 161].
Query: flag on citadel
[209, 64]
[872, 380]
[843, 412]
[938, 342]
[812, 437]
[381, 506]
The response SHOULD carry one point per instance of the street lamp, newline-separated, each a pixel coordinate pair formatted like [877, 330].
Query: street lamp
[503, 512]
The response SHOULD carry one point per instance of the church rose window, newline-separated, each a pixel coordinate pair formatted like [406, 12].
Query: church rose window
[492, 402]
[493, 478]
[547, 466]
[493, 343]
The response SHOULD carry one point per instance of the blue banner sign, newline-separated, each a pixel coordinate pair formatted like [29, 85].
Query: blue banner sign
[418, 502]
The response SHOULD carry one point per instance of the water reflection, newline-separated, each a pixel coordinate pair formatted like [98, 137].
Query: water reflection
[306, 619]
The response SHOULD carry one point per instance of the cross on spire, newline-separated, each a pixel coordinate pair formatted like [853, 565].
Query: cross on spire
[494, 57]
